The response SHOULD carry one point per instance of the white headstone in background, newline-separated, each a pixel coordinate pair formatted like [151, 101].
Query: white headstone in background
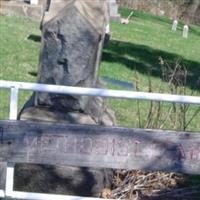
[34, 2]
[113, 10]
[174, 26]
[185, 31]
[108, 28]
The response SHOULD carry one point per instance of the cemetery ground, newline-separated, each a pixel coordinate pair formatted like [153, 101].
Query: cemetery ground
[145, 53]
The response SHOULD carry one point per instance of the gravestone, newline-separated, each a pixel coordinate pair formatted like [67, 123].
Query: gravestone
[72, 43]
[185, 31]
[113, 10]
[34, 2]
[174, 26]
[73, 35]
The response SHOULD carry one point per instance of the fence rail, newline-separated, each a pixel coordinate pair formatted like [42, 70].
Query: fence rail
[101, 92]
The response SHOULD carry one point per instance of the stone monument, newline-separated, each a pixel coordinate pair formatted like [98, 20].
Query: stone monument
[174, 25]
[113, 10]
[72, 42]
[185, 31]
[73, 35]
[34, 2]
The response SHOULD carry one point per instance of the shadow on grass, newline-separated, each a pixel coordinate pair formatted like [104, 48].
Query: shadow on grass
[145, 59]
[33, 73]
[35, 38]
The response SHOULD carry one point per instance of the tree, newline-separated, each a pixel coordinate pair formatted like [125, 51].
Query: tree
[191, 11]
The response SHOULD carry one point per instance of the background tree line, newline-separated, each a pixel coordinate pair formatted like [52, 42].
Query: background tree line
[187, 10]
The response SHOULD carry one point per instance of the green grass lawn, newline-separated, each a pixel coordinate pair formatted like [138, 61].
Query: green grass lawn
[134, 52]
[133, 55]
[18, 55]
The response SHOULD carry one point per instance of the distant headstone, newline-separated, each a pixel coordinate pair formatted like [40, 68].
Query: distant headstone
[174, 26]
[2, 175]
[185, 31]
[34, 2]
[108, 28]
[113, 10]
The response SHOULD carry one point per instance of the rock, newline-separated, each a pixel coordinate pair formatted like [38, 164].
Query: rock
[97, 112]
[44, 114]
[72, 39]
[113, 10]
[174, 25]
[185, 31]
[61, 180]
[108, 118]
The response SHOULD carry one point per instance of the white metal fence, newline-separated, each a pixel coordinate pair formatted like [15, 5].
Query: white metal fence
[16, 86]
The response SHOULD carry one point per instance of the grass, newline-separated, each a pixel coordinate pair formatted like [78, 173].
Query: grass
[140, 44]
[18, 55]
[136, 49]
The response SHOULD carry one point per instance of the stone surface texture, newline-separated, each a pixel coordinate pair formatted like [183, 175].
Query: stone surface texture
[72, 40]
[61, 180]
[20, 8]
[113, 10]
[2, 175]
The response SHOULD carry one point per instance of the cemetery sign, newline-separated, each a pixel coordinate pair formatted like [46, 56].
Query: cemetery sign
[97, 146]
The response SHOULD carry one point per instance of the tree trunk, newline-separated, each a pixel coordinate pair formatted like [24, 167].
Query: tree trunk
[191, 10]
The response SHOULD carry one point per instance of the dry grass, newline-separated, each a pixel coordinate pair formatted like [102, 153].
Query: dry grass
[137, 185]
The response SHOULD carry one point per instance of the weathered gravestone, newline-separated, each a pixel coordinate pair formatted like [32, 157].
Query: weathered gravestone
[34, 2]
[185, 31]
[174, 25]
[72, 40]
[113, 10]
